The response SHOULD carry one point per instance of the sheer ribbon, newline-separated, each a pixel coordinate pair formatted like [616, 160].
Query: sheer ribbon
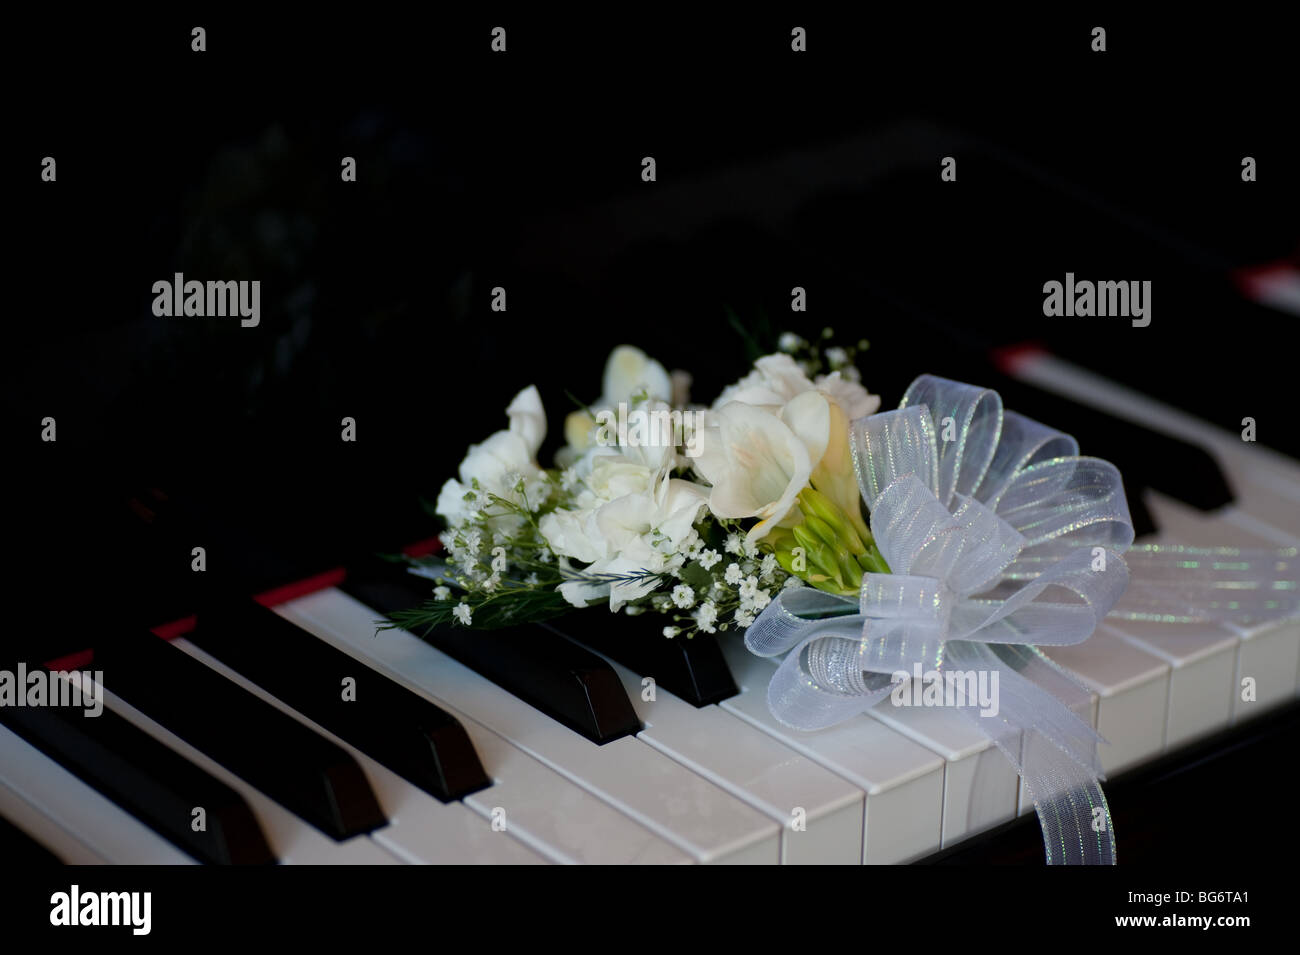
[1000, 539]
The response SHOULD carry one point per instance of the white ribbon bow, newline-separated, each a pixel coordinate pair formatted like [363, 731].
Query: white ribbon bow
[1001, 539]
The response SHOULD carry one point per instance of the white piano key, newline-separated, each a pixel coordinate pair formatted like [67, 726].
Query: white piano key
[1203, 662]
[546, 812]
[980, 786]
[754, 767]
[558, 818]
[1266, 516]
[680, 806]
[902, 780]
[1266, 513]
[420, 829]
[1270, 652]
[81, 824]
[291, 839]
[1132, 687]
[65, 845]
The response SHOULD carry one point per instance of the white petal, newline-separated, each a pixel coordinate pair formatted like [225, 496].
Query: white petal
[581, 594]
[491, 460]
[630, 370]
[679, 508]
[451, 501]
[757, 466]
[625, 519]
[572, 534]
[856, 401]
[783, 375]
[528, 419]
[809, 416]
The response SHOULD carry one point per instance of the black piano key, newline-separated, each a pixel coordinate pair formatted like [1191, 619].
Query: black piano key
[1146, 458]
[20, 850]
[148, 779]
[564, 681]
[289, 762]
[411, 736]
[693, 669]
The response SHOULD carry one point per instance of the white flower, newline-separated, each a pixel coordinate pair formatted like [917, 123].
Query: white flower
[692, 545]
[733, 544]
[706, 617]
[733, 574]
[528, 419]
[743, 619]
[708, 558]
[789, 342]
[473, 541]
[629, 518]
[671, 632]
[768, 567]
[777, 378]
[759, 462]
[845, 391]
[838, 357]
[629, 373]
[684, 596]
[463, 613]
[441, 593]
[499, 463]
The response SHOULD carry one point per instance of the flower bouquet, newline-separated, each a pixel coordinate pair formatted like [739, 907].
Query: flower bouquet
[944, 541]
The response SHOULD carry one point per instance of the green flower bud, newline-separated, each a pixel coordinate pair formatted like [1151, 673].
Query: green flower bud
[821, 557]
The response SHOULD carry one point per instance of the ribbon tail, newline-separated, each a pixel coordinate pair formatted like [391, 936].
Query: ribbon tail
[1172, 583]
[1049, 745]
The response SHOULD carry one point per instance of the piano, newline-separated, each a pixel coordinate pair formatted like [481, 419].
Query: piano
[255, 716]
[545, 744]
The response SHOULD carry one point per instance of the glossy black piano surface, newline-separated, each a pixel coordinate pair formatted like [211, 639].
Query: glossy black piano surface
[774, 173]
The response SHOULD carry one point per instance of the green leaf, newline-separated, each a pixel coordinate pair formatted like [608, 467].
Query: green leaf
[699, 579]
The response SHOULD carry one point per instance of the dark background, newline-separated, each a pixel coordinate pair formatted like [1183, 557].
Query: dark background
[522, 170]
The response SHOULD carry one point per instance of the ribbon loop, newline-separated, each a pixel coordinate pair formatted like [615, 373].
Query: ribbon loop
[1001, 539]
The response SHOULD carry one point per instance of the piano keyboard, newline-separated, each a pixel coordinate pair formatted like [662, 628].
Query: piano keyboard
[550, 746]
